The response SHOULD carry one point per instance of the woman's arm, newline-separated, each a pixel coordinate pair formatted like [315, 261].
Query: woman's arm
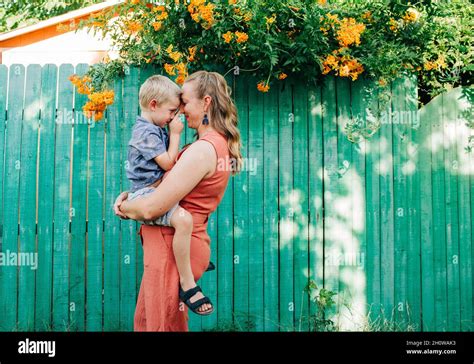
[197, 162]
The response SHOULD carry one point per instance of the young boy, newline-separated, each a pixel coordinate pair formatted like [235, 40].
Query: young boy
[151, 152]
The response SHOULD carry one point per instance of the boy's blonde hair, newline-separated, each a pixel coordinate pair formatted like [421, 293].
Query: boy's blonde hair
[157, 87]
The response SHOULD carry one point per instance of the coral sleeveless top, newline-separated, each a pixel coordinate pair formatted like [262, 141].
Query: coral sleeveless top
[206, 196]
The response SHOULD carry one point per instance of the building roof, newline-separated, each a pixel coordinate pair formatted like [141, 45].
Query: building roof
[47, 28]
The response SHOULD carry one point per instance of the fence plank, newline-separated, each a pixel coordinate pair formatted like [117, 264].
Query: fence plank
[95, 207]
[112, 223]
[62, 168]
[44, 274]
[439, 220]
[413, 199]
[128, 293]
[301, 204]
[270, 212]
[330, 191]
[9, 282]
[225, 259]
[315, 193]
[365, 107]
[209, 280]
[426, 210]
[399, 138]
[387, 214]
[77, 275]
[29, 146]
[241, 209]
[286, 227]
[461, 105]
[452, 219]
[348, 185]
[357, 257]
[255, 208]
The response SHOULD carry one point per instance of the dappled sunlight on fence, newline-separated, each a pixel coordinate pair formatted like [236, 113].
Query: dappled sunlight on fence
[386, 224]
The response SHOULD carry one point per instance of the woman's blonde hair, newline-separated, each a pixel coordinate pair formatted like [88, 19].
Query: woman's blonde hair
[223, 113]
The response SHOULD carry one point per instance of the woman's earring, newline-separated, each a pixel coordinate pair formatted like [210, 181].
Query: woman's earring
[205, 121]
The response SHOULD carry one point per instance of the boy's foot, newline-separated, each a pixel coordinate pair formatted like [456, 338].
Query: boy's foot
[205, 308]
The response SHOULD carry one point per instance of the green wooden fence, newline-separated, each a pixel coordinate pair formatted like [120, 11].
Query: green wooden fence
[386, 224]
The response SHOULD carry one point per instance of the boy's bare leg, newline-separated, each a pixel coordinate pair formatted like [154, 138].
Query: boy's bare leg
[182, 221]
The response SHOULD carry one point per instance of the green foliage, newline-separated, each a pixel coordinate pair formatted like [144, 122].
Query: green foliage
[432, 39]
[20, 13]
[323, 298]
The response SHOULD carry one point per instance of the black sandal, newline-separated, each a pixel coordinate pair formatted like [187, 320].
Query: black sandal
[185, 296]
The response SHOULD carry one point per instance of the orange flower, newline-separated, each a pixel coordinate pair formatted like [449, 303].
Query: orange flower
[349, 32]
[439, 63]
[367, 16]
[97, 104]
[263, 86]
[162, 16]
[333, 18]
[282, 76]
[105, 97]
[270, 20]
[81, 84]
[158, 8]
[199, 11]
[157, 25]
[133, 27]
[98, 115]
[344, 66]
[175, 56]
[232, 2]
[228, 36]
[207, 12]
[393, 25]
[181, 67]
[330, 63]
[180, 79]
[192, 54]
[170, 69]
[241, 37]
[411, 15]
[182, 73]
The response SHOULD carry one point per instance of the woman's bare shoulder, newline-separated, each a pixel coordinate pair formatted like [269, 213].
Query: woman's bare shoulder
[202, 156]
[199, 150]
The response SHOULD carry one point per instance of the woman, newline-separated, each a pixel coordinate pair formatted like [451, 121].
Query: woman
[197, 181]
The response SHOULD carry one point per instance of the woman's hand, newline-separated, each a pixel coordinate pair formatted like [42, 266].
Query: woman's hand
[118, 202]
